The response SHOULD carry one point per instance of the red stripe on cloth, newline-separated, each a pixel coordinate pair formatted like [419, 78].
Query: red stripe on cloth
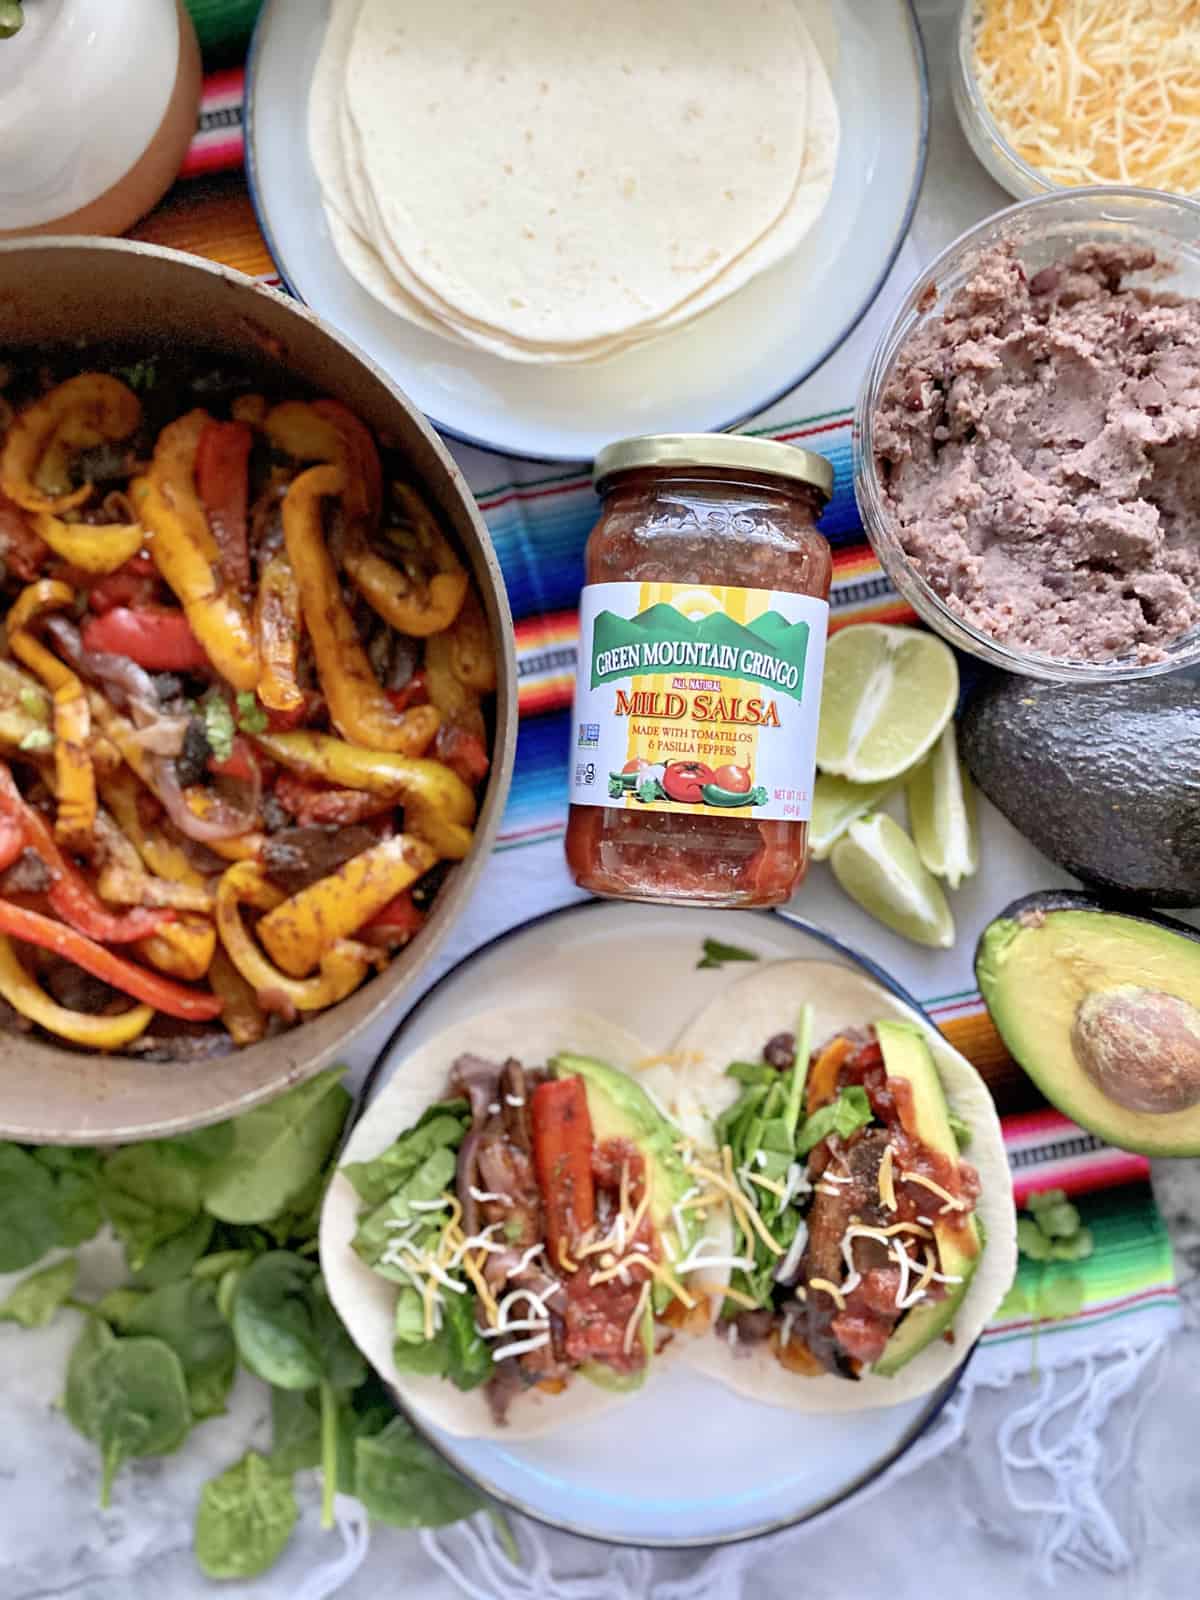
[218, 145]
[809, 433]
[885, 611]
[1104, 1310]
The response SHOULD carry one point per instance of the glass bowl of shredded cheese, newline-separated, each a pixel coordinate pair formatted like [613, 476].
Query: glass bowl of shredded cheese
[1064, 93]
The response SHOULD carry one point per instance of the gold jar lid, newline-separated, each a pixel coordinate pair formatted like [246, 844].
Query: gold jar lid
[737, 452]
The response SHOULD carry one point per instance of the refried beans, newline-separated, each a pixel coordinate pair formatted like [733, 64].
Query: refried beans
[1038, 445]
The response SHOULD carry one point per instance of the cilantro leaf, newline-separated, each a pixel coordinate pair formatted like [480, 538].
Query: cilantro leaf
[843, 1116]
[1061, 1297]
[219, 728]
[251, 716]
[37, 739]
[138, 375]
[717, 954]
[1031, 1241]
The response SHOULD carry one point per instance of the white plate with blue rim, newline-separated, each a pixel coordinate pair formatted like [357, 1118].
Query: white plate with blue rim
[728, 365]
[747, 1469]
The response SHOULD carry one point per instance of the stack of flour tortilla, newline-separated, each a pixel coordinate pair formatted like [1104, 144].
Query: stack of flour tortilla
[557, 180]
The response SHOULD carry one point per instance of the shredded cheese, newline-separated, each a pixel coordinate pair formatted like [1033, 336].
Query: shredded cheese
[831, 1289]
[483, 1196]
[1095, 91]
[763, 1183]
[635, 1318]
[785, 1331]
[471, 1268]
[564, 1259]
[887, 1188]
[747, 1216]
[740, 1299]
[538, 1342]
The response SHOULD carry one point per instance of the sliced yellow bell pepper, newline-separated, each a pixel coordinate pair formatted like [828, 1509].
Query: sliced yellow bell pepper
[438, 805]
[277, 624]
[75, 820]
[251, 408]
[174, 474]
[96, 1033]
[305, 927]
[184, 948]
[343, 967]
[413, 606]
[162, 856]
[326, 430]
[244, 1019]
[97, 551]
[358, 706]
[123, 880]
[218, 617]
[472, 658]
[84, 411]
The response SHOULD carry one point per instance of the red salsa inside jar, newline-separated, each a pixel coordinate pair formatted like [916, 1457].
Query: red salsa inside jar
[698, 687]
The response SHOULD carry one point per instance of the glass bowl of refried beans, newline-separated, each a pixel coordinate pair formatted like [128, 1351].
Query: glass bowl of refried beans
[1027, 439]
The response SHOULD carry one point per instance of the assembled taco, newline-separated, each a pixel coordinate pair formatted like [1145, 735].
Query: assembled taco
[860, 1169]
[504, 1238]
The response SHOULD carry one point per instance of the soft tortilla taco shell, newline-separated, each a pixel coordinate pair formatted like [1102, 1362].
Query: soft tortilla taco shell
[734, 1027]
[366, 1302]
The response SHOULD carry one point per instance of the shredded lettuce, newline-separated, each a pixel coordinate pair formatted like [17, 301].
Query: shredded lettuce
[843, 1116]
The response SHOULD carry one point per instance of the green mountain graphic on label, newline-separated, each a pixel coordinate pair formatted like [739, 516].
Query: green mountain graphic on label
[770, 650]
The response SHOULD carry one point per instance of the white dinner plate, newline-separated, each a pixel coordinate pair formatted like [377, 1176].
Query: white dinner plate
[729, 364]
[688, 1462]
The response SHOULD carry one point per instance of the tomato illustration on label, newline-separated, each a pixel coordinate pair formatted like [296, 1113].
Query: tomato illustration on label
[684, 781]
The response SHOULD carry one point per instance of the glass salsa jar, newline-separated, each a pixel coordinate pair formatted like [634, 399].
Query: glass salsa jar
[698, 686]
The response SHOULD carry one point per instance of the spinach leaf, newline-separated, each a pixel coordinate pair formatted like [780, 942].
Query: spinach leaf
[401, 1481]
[468, 1358]
[717, 954]
[295, 1429]
[36, 1299]
[344, 1367]
[174, 1257]
[274, 1321]
[432, 1178]
[245, 1519]
[29, 1217]
[185, 1316]
[443, 1125]
[118, 1305]
[218, 1262]
[77, 1185]
[277, 1151]
[128, 1396]
[843, 1116]
[759, 1073]
[150, 1192]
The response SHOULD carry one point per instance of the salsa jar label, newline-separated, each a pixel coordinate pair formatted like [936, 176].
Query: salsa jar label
[698, 698]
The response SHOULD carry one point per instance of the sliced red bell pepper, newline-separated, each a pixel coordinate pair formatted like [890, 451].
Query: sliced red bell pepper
[562, 1160]
[192, 1005]
[398, 916]
[462, 752]
[134, 584]
[12, 841]
[240, 763]
[69, 893]
[156, 637]
[414, 693]
[223, 483]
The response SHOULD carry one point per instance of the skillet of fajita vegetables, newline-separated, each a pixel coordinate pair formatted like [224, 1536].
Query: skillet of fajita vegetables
[245, 705]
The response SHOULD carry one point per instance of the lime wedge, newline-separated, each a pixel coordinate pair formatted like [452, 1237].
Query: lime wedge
[836, 804]
[941, 812]
[888, 694]
[877, 864]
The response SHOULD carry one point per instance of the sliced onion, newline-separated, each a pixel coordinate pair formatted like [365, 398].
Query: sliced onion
[164, 737]
[224, 822]
[788, 1269]
[133, 685]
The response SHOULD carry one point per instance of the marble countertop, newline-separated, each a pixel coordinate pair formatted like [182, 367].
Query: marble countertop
[55, 1542]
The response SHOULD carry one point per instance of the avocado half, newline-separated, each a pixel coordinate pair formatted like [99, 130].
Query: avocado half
[1105, 781]
[1101, 1007]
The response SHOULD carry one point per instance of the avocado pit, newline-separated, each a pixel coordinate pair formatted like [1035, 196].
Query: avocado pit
[1140, 1047]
